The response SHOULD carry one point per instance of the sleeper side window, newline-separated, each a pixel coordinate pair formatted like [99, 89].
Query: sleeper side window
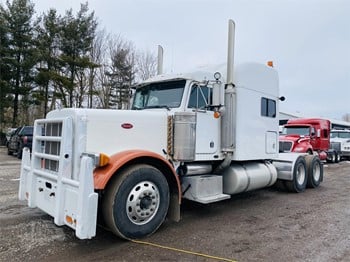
[268, 107]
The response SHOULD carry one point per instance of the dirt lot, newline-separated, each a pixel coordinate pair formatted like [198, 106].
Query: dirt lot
[264, 225]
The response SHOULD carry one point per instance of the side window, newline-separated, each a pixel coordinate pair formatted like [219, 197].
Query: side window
[313, 131]
[200, 97]
[268, 107]
[325, 133]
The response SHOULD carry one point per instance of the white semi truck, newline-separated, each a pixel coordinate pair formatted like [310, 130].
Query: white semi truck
[340, 143]
[185, 136]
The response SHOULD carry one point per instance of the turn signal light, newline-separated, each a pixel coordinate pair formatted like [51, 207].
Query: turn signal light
[270, 63]
[104, 159]
[70, 220]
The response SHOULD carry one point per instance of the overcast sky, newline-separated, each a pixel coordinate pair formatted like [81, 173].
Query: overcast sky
[308, 40]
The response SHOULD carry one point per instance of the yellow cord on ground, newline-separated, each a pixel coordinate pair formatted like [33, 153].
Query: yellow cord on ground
[182, 251]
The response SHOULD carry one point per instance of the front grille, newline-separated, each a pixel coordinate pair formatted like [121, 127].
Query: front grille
[285, 146]
[52, 147]
[49, 137]
[336, 146]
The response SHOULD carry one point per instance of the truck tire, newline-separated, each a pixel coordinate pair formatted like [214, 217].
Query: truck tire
[136, 202]
[337, 157]
[298, 184]
[279, 185]
[20, 152]
[314, 170]
[331, 158]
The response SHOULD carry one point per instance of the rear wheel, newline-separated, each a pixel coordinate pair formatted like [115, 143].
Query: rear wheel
[280, 185]
[298, 184]
[136, 202]
[315, 171]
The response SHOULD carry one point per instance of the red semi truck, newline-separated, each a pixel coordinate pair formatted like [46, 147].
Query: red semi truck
[308, 135]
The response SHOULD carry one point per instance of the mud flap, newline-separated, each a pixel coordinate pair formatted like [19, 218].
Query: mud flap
[174, 208]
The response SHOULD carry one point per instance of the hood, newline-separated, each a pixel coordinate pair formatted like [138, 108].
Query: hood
[293, 138]
[112, 131]
[339, 140]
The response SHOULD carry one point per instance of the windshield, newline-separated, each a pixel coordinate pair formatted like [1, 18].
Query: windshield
[158, 95]
[302, 131]
[335, 134]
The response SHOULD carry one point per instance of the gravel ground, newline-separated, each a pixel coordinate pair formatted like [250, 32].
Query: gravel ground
[263, 225]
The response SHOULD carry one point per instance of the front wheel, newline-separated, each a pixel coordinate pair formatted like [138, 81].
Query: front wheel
[20, 152]
[136, 202]
[337, 157]
[331, 157]
[298, 184]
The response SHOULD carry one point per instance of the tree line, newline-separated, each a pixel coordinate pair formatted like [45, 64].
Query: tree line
[54, 61]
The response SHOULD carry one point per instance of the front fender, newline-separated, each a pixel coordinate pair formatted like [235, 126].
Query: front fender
[302, 147]
[103, 174]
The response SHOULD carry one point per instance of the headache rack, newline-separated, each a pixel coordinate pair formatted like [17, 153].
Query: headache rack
[48, 181]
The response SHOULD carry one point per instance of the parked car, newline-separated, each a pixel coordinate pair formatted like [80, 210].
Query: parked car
[22, 138]
[10, 132]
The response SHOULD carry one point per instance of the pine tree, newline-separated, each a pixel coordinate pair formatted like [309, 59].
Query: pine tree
[76, 34]
[48, 45]
[21, 52]
[5, 100]
[121, 77]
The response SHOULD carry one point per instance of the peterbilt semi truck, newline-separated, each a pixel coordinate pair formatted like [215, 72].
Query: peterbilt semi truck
[195, 137]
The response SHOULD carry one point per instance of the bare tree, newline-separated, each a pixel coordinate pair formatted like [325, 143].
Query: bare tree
[121, 72]
[146, 63]
[98, 56]
[346, 117]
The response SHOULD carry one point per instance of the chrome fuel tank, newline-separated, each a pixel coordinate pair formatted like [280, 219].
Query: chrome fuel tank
[242, 177]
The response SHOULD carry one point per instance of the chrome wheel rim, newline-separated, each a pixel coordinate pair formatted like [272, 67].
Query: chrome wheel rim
[142, 203]
[300, 174]
[316, 170]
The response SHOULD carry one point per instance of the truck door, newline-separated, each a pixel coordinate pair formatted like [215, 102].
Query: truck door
[313, 138]
[208, 127]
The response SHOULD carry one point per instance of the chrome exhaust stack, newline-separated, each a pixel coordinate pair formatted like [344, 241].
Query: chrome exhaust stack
[230, 52]
[160, 60]
[229, 117]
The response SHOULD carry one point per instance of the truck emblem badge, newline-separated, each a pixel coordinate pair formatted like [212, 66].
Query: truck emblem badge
[127, 125]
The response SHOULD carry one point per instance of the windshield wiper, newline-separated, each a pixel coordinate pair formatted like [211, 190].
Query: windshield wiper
[158, 106]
